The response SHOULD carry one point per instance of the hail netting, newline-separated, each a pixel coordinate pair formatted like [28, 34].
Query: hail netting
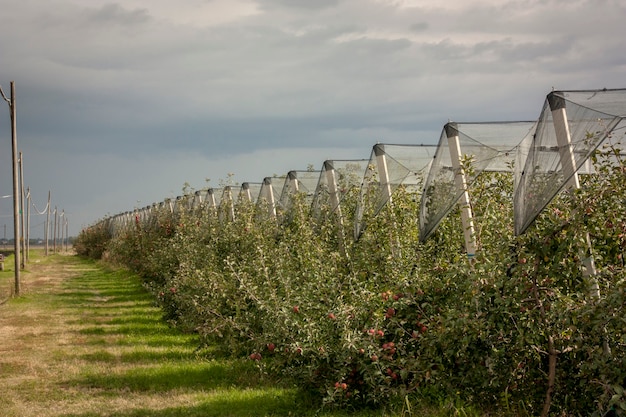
[570, 128]
[301, 183]
[491, 146]
[228, 200]
[212, 198]
[337, 178]
[249, 192]
[390, 167]
[266, 202]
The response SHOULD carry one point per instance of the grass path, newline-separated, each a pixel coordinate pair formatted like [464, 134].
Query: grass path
[82, 341]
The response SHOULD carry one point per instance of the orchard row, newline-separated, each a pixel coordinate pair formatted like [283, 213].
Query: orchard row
[524, 324]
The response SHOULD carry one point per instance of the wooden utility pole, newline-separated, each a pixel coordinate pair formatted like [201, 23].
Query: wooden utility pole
[16, 202]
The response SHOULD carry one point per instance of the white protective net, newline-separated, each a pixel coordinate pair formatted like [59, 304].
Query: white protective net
[249, 192]
[390, 167]
[228, 201]
[570, 128]
[490, 146]
[266, 201]
[299, 183]
[212, 199]
[197, 200]
[336, 180]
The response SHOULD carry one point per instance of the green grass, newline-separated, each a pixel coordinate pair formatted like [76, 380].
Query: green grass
[144, 355]
[96, 345]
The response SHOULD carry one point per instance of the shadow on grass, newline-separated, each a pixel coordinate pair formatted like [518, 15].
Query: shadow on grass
[134, 351]
[164, 377]
[249, 403]
[112, 309]
[140, 356]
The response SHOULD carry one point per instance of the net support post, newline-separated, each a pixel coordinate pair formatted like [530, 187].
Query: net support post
[333, 192]
[245, 192]
[125, 222]
[210, 199]
[227, 202]
[563, 139]
[197, 200]
[467, 219]
[294, 185]
[383, 172]
[269, 197]
[178, 205]
[385, 184]
[293, 190]
[568, 162]
[120, 222]
[335, 206]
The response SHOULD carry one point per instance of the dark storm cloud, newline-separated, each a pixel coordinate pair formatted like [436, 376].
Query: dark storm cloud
[196, 89]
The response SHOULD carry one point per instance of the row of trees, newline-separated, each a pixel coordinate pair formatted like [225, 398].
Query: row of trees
[520, 327]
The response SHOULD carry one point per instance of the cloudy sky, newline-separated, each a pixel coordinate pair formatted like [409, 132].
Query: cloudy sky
[120, 104]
